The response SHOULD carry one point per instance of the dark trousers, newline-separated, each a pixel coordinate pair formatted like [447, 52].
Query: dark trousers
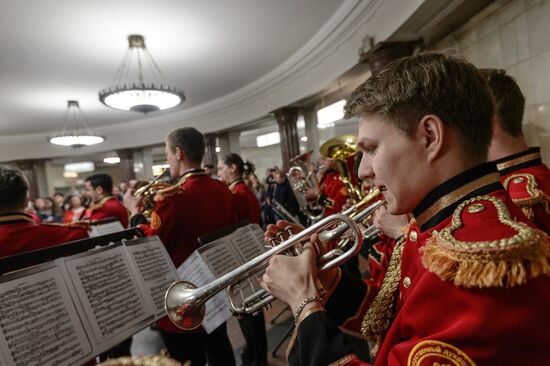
[200, 347]
[255, 349]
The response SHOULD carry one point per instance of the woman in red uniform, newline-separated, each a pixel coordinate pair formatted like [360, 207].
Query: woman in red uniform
[247, 207]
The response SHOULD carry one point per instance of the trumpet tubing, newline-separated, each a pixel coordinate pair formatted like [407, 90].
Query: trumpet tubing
[147, 193]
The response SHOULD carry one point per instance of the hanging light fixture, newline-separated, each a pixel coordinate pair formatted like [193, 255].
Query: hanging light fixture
[76, 131]
[139, 95]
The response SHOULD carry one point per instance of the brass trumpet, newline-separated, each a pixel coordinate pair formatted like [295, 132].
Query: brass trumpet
[185, 303]
[147, 193]
[301, 176]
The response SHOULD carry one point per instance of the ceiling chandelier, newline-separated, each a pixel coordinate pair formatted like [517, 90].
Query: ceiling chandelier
[76, 131]
[138, 95]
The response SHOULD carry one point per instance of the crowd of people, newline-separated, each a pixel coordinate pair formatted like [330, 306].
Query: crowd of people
[460, 273]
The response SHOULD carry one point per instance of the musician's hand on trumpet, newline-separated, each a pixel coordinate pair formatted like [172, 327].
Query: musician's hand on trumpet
[312, 194]
[280, 231]
[272, 280]
[292, 279]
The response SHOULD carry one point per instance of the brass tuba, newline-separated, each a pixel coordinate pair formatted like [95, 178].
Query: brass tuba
[147, 193]
[343, 149]
[301, 176]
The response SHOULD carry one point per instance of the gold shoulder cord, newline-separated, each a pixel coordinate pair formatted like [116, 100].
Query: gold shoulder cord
[378, 318]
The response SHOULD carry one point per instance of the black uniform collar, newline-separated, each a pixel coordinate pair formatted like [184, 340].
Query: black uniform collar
[190, 173]
[442, 201]
[235, 182]
[15, 217]
[525, 159]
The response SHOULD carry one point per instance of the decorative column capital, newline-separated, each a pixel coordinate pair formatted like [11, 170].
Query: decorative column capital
[383, 53]
[286, 115]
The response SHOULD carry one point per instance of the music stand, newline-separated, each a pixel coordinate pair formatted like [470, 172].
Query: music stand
[34, 257]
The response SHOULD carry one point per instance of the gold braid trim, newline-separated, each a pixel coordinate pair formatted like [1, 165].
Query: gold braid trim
[344, 360]
[167, 192]
[505, 262]
[537, 196]
[380, 313]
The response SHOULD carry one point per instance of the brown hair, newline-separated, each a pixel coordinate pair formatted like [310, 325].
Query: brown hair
[430, 83]
[509, 101]
[188, 139]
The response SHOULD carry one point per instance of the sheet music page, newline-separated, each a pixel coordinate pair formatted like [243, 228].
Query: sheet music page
[248, 241]
[220, 255]
[109, 294]
[38, 320]
[155, 268]
[104, 229]
[198, 272]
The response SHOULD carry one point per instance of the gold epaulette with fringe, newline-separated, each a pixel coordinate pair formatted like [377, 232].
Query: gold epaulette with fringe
[525, 193]
[504, 262]
[168, 192]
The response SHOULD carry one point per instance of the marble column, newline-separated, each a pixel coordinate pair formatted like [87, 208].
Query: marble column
[126, 164]
[143, 163]
[312, 131]
[210, 155]
[290, 144]
[30, 168]
[229, 142]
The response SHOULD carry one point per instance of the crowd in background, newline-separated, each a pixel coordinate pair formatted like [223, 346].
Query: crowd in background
[62, 209]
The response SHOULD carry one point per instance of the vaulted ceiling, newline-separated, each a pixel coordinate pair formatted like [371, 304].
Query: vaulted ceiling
[236, 61]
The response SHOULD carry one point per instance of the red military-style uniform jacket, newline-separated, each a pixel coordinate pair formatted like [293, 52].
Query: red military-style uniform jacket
[195, 206]
[109, 207]
[19, 233]
[333, 193]
[246, 204]
[470, 286]
[527, 180]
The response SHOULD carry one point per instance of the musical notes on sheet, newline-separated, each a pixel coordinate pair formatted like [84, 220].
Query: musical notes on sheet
[39, 323]
[108, 290]
[156, 269]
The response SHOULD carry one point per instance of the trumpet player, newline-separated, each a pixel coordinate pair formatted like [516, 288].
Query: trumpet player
[194, 206]
[332, 192]
[104, 203]
[469, 284]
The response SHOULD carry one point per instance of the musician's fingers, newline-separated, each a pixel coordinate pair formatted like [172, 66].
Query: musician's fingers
[295, 228]
[311, 250]
[271, 229]
[320, 246]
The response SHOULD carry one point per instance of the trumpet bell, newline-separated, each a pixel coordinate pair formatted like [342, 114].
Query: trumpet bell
[340, 147]
[184, 314]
